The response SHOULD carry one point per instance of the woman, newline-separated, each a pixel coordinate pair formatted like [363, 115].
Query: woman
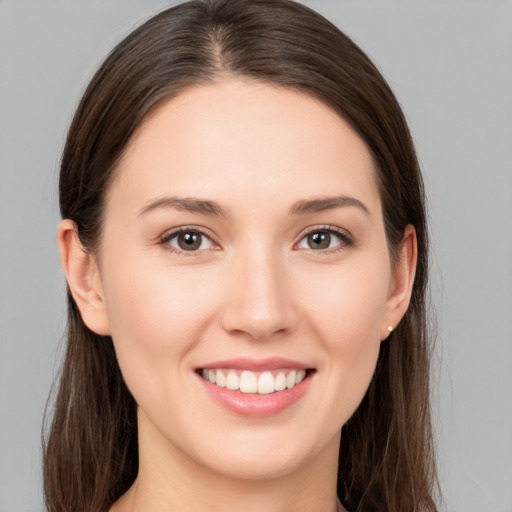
[245, 246]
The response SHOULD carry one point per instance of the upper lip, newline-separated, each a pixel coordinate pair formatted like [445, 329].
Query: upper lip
[255, 365]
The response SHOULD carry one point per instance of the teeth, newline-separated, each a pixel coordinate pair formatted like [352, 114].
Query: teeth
[300, 376]
[266, 383]
[290, 380]
[280, 382]
[220, 380]
[249, 382]
[232, 381]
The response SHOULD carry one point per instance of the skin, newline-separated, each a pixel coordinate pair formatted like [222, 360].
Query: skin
[255, 288]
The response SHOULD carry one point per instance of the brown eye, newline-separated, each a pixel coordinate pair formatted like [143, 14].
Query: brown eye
[319, 240]
[324, 239]
[188, 240]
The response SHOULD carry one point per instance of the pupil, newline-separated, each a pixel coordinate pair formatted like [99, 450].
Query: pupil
[189, 241]
[319, 240]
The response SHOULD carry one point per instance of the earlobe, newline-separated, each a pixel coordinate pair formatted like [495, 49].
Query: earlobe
[82, 274]
[402, 282]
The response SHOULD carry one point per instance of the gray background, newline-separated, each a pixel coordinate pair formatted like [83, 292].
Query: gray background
[450, 65]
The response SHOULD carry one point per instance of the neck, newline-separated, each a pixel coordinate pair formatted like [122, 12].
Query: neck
[170, 480]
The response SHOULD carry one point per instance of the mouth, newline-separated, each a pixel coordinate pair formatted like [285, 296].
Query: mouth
[264, 382]
[256, 388]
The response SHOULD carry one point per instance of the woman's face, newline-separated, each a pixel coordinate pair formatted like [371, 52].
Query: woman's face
[244, 243]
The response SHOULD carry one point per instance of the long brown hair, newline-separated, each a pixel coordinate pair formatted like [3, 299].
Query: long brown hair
[386, 459]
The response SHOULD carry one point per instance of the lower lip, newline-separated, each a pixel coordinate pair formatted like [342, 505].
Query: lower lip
[253, 404]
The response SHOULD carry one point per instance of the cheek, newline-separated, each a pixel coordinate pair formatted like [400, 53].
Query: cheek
[155, 317]
[347, 312]
[348, 303]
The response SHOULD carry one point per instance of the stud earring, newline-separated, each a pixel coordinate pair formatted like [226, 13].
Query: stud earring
[390, 328]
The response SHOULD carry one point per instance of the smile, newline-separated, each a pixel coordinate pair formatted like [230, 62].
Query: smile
[256, 388]
[262, 383]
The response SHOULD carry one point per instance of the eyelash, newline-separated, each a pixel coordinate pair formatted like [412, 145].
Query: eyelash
[345, 239]
[169, 235]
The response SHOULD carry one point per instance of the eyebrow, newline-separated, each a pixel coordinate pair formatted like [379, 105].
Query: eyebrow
[326, 203]
[207, 207]
[188, 204]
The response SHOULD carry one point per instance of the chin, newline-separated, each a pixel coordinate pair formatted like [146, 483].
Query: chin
[265, 455]
[260, 466]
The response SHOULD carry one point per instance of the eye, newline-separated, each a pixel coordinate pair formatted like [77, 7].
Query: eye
[188, 240]
[325, 239]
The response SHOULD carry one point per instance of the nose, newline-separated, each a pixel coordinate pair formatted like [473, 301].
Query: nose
[258, 301]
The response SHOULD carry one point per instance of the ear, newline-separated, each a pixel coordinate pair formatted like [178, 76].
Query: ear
[83, 277]
[402, 282]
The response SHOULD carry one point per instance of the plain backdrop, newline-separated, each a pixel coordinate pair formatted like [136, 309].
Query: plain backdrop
[450, 64]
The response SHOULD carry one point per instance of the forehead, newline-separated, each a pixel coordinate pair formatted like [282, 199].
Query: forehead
[236, 138]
